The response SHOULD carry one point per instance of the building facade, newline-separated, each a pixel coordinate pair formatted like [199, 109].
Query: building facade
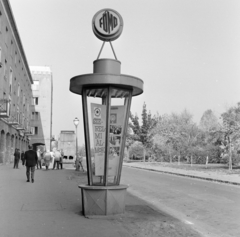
[15, 88]
[41, 115]
[67, 144]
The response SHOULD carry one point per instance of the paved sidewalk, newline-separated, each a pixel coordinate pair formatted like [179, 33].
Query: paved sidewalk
[207, 174]
[51, 207]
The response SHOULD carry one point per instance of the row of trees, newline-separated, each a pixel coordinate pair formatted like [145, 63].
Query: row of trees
[176, 137]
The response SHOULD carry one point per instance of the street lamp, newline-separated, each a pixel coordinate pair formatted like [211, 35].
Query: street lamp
[76, 122]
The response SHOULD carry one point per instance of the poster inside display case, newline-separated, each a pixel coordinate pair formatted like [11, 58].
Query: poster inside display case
[98, 113]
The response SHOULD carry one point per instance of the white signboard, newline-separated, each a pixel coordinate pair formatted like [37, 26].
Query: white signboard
[117, 113]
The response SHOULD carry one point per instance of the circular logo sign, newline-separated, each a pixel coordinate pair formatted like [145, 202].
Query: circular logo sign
[107, 24]
[97, 112]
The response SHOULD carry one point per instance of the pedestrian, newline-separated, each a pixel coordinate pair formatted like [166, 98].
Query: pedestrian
[39, 163]
[47, 159]
[57, 156]
[61, 160]
[16, 158]
[52, 159]
[78, 163]
[31, 160]
[22, 157]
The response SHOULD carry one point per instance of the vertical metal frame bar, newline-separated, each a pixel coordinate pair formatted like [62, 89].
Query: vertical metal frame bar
[87, 137]
[108, 108]
[83, 204]
[113, 50]
[127, 102]
[101, 50]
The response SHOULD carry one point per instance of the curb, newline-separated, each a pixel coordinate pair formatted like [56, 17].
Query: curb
[187, 175]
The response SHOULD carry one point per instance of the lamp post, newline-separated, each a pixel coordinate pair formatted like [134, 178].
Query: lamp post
[76, 121]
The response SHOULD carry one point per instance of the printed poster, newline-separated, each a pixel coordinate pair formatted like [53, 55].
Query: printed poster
[117, 113]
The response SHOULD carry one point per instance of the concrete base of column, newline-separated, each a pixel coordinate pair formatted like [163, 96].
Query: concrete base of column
[103, 200]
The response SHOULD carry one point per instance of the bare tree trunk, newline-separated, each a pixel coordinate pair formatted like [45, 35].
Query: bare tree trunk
[144, 154]
[179, 159]
[206, 161]
[230, 154]
[170, 157]
[191, 159]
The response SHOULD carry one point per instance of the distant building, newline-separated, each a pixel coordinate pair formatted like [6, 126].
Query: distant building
[67, 143]
[15, 88]
[41, 120]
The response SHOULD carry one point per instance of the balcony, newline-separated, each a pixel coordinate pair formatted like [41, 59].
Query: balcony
[4, 108]
[28, 133]
[13, 120]
[20, 126]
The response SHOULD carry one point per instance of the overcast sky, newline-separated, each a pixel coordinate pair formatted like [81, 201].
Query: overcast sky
[187, 52]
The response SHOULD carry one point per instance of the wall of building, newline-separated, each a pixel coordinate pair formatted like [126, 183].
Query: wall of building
[15, 88]
[67, 143]
[42, 114]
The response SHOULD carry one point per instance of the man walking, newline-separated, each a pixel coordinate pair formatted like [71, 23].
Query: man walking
[22, 157]
[31, 160]
[57, 156]
[16, 158]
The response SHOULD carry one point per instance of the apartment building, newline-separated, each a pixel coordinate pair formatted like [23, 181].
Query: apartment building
[41, 115]
[15, 88]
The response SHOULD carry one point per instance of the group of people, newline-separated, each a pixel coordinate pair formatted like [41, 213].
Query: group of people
[32, 158]
[45, 158]
[17, 157]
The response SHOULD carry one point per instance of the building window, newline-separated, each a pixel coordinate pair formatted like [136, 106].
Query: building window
[18, 91]
[11, 48]
[26, 124]
[35, 116]
[35, 100]
[15, 59]
[14, 112]
[35, 130]
[5, 70]
[0, 57]
[18, 115]
[14, 86]
[23, 119]
[24, 100]
[10, 105]
[0, 21]
[27, 105]
[10, 80]
[6, 37]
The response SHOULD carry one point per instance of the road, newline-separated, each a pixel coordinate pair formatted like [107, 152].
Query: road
[211, 208]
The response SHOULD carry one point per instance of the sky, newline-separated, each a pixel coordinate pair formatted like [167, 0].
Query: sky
[187, 52]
